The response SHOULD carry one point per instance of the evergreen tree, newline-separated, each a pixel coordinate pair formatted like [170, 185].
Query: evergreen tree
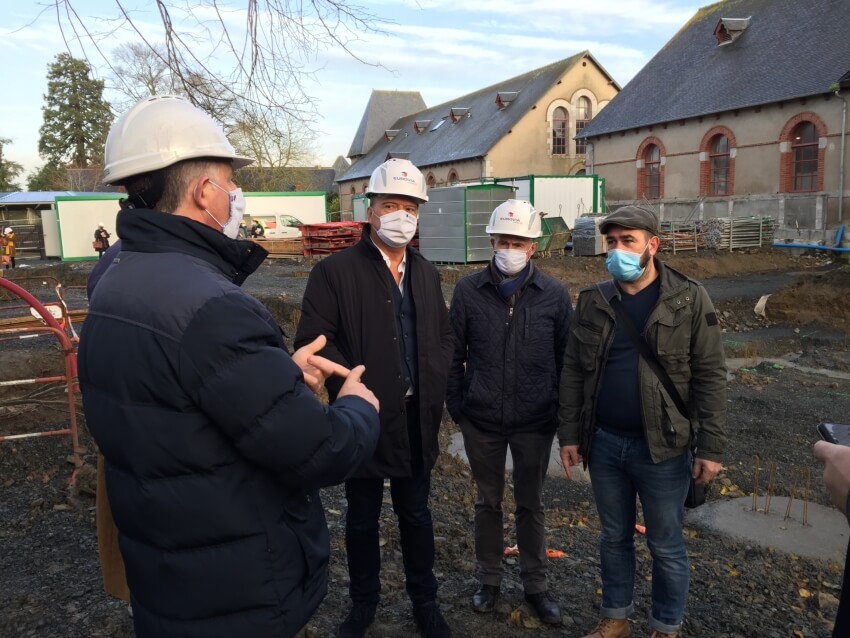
[49, 177]
[76, 117]
[9, 170]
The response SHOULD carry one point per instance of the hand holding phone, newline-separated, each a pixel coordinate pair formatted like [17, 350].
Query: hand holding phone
[838, 433]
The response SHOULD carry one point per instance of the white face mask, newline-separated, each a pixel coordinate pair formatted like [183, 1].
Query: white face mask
[510, 262]
[237, 211]
[397, 228]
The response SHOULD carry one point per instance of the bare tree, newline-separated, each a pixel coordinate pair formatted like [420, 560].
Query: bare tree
[258, 51]
[277, 141]
[139, 71]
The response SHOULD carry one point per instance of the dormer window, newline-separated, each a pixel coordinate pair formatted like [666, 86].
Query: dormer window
[440, 123]
[503, 98]
[420, 126]
[397, 155]
[389, 134]
[730, 29]
[456, 113]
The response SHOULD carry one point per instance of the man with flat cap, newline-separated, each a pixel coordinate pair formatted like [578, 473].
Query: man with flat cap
[635, 437]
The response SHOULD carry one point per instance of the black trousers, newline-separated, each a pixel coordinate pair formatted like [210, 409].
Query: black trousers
[410, 504]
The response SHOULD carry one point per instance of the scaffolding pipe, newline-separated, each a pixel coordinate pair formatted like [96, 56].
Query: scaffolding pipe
[841, 158]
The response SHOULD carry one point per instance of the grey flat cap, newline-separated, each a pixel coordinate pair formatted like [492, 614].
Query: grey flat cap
[630, 217]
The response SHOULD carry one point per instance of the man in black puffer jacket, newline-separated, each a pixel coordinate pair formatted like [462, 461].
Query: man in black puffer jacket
[510, 323]
[215, 498]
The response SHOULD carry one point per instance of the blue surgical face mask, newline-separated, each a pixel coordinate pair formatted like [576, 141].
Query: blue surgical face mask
[624, 265]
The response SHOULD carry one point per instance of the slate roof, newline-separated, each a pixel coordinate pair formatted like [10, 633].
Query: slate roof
[40, 197]
[475, 131]
[384, 108]
[790, 49]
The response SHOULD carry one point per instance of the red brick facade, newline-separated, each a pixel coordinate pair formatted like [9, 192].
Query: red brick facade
[705, 165]
[786, 160]
[640, 191]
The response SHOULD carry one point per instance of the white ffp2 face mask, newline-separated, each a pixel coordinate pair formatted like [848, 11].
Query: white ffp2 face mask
[397, 228]
[510, 262]
[237, 211]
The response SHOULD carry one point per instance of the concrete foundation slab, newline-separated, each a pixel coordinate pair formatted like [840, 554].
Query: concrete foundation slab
[824, 537]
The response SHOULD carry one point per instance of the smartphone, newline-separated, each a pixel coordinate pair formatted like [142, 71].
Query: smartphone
[838, 433]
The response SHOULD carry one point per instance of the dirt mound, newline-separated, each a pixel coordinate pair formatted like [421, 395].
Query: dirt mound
[821, 298]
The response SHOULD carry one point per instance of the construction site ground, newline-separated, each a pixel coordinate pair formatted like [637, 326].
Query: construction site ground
[791, 374]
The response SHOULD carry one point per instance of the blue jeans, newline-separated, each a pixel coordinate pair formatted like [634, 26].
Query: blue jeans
[410, 503]
[620, 469]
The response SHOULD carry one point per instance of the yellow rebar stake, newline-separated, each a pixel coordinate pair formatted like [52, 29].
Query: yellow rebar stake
[771, 485]
[795, 473]
[806, 497]
[755, 482]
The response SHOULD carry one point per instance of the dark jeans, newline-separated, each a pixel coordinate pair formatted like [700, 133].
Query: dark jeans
[530, 452]
[410, 503]
[622, 469]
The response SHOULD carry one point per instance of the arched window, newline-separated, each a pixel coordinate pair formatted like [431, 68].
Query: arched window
[804, 148]
[560, 128]
[431, 181]
[719, 166]
[453, 178]
[652, 163]
[584, 113]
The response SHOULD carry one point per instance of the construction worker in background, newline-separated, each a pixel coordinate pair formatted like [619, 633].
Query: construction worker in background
[217, 503]
[243, 230]
[101, 240]
[510, 323]
[9, 248]
[257, 229]
[380, 304]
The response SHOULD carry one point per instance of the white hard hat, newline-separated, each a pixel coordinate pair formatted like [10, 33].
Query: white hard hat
[7, 231]
[160, 131]
[100, 224]
[398, 176]
[514, 217]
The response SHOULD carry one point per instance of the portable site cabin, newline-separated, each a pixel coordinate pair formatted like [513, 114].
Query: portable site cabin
[69, 226]
[452, 221]
[282, 213]
[564, 196]
[359, 204]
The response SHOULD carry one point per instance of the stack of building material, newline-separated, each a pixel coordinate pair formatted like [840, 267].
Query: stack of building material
[281, 248]
[319, 240]
[586, 237]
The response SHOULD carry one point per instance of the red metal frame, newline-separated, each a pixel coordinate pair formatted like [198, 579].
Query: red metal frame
[70, 377]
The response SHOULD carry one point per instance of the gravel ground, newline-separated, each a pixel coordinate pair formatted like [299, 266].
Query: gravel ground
[50, 583]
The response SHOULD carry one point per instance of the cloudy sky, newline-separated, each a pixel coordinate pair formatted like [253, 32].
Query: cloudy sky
[441, 48]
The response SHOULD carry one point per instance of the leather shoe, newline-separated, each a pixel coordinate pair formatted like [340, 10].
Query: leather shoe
[484, 600]
[430, 621]
[357, 622]
[546, 609]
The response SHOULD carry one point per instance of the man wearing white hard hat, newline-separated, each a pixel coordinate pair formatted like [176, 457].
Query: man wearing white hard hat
[380, 304]
[216, 500]
[511, 323]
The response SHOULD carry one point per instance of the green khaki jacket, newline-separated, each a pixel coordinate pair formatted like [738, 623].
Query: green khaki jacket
[684, 333]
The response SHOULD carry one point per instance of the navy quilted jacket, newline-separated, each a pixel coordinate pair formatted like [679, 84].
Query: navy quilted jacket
[214, 447]
[507, 361]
